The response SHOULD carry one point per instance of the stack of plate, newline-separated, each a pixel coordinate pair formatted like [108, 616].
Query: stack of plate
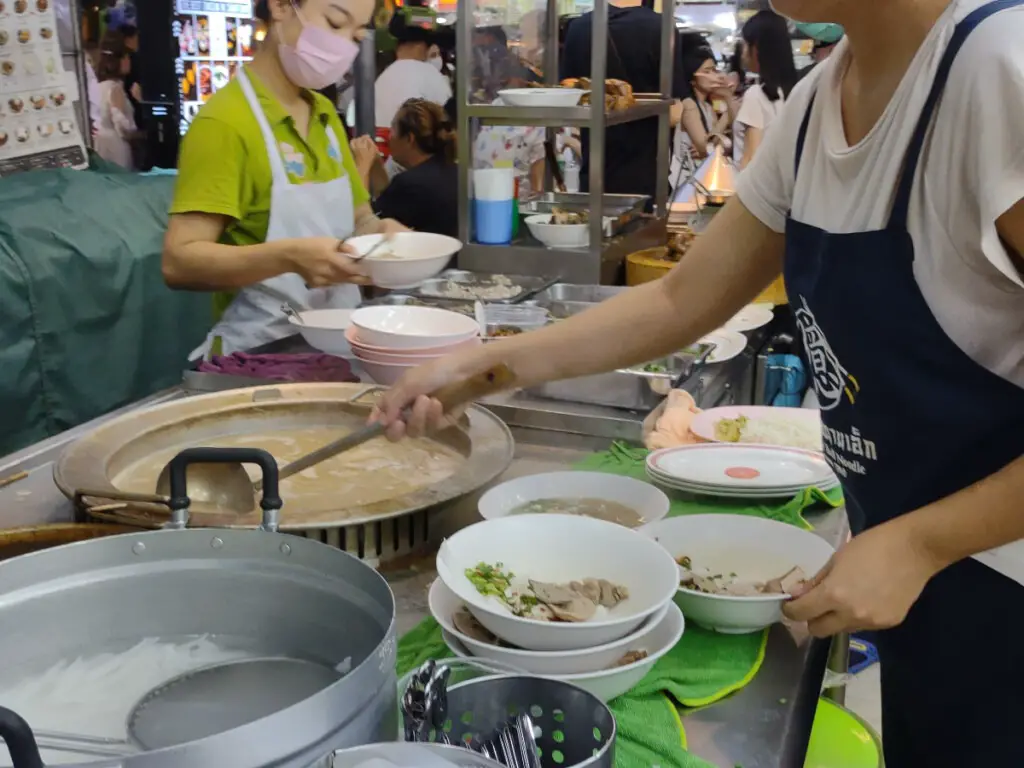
[740, 471]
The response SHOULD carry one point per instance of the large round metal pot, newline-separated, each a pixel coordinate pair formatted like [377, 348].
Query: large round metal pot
[284, 595]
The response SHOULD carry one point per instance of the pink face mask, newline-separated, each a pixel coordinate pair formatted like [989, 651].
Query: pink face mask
[318, 59]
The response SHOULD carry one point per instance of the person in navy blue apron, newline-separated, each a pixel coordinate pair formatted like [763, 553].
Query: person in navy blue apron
[956, 662]
[927, 440]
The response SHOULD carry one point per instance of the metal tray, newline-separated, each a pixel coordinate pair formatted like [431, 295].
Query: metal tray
[434, 288]
[617, 210]
[634, 389]
[571, 292]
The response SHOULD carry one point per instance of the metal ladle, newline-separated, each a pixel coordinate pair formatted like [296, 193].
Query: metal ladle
[229, 485]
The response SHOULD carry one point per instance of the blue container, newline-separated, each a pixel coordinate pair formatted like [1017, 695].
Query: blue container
[493, 221]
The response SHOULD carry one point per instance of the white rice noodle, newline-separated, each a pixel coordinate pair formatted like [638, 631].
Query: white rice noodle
[93, 696]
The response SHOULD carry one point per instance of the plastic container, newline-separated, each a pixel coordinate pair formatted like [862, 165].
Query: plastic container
[493, 205]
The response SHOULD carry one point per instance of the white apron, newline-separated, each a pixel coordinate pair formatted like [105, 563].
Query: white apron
[322, 209]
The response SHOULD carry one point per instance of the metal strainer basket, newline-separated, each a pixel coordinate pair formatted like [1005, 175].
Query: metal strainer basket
[572, 727]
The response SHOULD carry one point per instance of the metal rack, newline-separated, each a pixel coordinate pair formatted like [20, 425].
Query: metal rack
[602, 261]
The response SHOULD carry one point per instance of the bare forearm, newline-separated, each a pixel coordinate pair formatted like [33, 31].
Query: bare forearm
[378, 179]
[983, 516]
[366, 221]
[727, 266]
[205, 266]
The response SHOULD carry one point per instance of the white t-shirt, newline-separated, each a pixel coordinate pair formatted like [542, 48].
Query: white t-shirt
[971, 172]
[756, 111]
[407, 79]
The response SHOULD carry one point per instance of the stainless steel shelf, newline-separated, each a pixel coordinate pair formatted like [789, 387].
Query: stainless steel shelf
[565, 116]
[571, 265]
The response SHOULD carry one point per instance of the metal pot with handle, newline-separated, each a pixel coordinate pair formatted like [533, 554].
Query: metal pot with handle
[291, 602]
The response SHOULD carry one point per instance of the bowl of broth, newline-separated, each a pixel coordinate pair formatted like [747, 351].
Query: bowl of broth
[611, 498]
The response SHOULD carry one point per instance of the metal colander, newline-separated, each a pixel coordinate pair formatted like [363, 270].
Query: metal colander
[572, 727]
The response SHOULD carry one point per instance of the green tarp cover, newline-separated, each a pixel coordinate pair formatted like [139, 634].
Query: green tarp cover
[86, 322]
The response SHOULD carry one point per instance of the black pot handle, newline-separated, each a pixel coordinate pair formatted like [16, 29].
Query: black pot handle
[21, 742]
[271, 502]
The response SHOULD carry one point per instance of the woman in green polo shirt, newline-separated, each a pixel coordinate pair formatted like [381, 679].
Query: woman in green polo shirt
[267, 188]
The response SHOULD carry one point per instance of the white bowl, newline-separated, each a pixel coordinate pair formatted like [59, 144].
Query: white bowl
[560, 548]
[752, 547]
[408, 259]
[541, 97]
[398, 328]
[608, 684]
[558, 235]
[444, 603]
[650, 503]
[324, 329]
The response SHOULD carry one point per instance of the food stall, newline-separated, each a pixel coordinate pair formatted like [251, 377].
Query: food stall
[78, 476]
[765, 725]
[617, 223]
[343, 577]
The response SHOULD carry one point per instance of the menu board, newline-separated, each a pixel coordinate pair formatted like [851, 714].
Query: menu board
[38, 128]
[215, 37]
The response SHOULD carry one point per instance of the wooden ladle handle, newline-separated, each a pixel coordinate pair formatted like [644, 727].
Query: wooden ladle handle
[489, 382]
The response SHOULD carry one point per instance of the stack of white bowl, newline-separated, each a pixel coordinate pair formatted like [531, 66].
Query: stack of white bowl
[388, 340]
[559, 549]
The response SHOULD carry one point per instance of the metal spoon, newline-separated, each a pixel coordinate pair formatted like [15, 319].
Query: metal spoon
[290, 311]
[229, 486]
[384, 240]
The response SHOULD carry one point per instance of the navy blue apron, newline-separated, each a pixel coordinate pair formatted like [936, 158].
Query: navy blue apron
[909, 418]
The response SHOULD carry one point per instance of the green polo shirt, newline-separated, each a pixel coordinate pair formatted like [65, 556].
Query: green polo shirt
[224, 168]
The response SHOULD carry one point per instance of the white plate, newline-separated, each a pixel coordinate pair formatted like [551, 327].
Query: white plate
[669, 481]
[737, 466]
[751, 317]
[608, 684]
[646, 500]
[728, 344]
[747, 498]
[541, 97]
[444, 603]
[753, 547]
[559, 548]
[703, 425]
[682, 485]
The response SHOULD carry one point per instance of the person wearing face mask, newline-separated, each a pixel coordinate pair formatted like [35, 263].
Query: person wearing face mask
[267, 188]
[416, 71]
[899, 227]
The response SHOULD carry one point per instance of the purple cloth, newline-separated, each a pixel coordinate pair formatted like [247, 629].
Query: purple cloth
[303, 367]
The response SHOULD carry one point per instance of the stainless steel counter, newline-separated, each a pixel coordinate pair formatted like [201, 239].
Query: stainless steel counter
[764, 726]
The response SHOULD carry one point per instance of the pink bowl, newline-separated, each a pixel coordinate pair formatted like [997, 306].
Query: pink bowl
[352, 334]
[383, 357]
[385, 374]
